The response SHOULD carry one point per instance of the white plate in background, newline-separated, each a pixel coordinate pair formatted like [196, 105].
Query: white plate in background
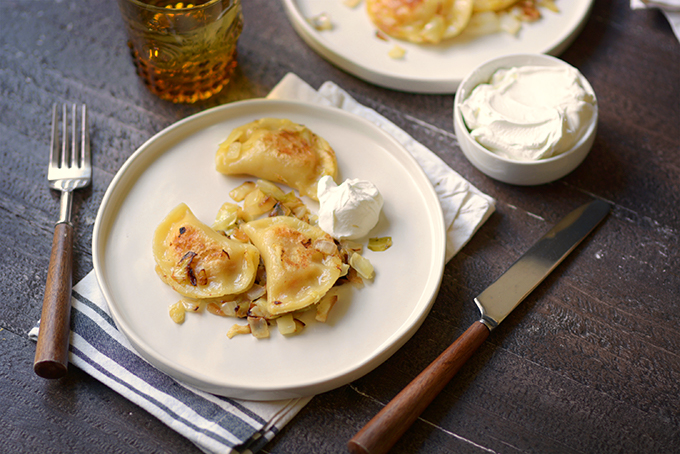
[352, 45]
[365, 327]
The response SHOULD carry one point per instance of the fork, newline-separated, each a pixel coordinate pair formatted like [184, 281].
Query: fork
[68, 170]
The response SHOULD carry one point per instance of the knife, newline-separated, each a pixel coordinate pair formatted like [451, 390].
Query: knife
[494, 303]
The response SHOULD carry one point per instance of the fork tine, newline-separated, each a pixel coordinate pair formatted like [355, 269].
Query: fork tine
[64, 138]
[75, 156]
[85, 156]
[54, 143]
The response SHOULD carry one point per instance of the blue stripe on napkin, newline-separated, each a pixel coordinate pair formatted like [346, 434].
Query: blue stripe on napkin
[108, 346]
[213, 423]
[142, 369]
[154, 402]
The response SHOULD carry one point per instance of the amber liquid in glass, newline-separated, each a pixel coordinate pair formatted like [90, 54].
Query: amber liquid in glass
[183, 52]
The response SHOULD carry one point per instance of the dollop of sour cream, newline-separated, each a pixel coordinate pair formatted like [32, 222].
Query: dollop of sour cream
[349, 210]
[529, 113]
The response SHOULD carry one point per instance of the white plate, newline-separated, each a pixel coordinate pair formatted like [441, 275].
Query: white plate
[365, 327]
[353, 46]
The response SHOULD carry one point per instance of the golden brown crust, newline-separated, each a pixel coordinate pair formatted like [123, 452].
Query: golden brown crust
[420, 21]
[198, 262]
[298, 273]
[278, 150]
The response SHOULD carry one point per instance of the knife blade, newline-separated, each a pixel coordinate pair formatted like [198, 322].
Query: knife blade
[495, 303]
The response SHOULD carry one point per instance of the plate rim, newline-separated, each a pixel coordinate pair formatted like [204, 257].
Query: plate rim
[425, 85]
[116, 193]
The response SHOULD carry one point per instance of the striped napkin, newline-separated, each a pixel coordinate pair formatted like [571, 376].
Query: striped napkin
[219, 424]
[215, 424]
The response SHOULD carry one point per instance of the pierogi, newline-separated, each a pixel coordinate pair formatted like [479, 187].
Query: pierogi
[293, 266]
[434, 21]
[420, 21]
[278, 150]
[302, 261]
[265, 260]
[198, 262]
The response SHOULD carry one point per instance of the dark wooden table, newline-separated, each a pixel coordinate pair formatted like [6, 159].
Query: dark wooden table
[589, 363]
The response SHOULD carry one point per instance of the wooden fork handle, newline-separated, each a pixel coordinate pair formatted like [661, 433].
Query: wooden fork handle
[380, 434]
[51, 355]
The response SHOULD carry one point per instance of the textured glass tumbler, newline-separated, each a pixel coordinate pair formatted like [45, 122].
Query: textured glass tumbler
[184, 52]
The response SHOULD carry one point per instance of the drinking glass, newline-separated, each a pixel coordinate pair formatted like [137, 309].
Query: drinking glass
[184, 52]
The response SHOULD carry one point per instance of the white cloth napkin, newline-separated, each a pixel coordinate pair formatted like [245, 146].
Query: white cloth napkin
[670, 9]
[465, 207]
[215, 424]
[219, 424]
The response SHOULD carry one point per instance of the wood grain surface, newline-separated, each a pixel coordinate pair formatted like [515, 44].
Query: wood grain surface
[395, 418]
[588, 363]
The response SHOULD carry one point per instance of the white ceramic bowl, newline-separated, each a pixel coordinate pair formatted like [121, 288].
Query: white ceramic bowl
[524, 173]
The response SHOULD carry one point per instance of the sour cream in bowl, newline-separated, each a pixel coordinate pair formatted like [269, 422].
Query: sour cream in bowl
[525, 119]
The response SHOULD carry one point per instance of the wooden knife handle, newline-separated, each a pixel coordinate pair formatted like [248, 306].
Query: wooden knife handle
[380, 434]
[51, 354]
